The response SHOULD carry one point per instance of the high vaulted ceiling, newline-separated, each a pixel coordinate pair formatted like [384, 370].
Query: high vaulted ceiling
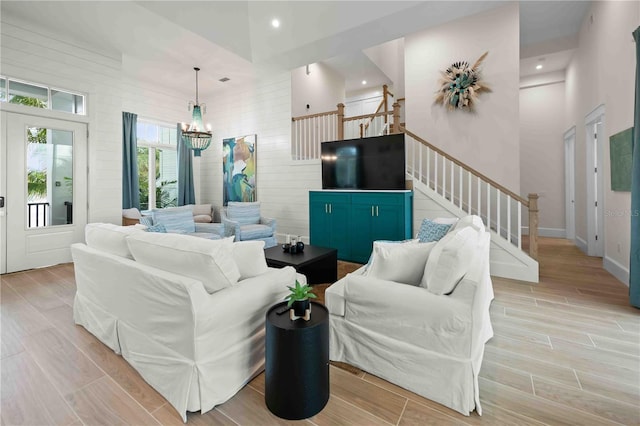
[161, 41]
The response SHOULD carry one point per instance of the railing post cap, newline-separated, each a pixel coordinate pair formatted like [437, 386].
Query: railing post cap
[533, 195]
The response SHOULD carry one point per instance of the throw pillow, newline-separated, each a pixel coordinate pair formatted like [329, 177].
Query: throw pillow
[382, 242]
[110, 238]
[449, 261]
[244, 213]
[432, 231]
[202, 209]
[178, 221]
[472, 220]
[249, 256]
[146, 221]
[202, 218]
[157, 228]
[402, 263]
[208, 261]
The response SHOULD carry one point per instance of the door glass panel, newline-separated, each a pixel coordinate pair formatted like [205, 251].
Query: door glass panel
[49, 177]
[28, 94]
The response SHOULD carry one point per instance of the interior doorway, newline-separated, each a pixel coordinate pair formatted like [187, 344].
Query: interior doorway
[570, 183]
[44, 181]
[594, 135]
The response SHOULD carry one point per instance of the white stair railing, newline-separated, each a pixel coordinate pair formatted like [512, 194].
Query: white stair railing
[309, 131]
[472, 192]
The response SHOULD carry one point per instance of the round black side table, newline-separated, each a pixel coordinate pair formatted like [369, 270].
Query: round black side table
[296, 362]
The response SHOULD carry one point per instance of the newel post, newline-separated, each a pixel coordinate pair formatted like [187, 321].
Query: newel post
[340, 121]
[396, 118]
[533, 226]
[385, 94]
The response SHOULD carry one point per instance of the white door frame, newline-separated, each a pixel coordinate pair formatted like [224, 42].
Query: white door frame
[3, 193]
[595, 181]
[57, 238]
[570, 183]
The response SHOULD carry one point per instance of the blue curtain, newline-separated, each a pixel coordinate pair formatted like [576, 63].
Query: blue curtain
[634, 264]
[186, 193]
[130, 186]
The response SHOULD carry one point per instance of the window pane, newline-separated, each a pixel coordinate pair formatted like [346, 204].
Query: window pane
[67, 102]
[27, 94]
[166, 179]
[3, 90]
[143, 177]
[49, 177]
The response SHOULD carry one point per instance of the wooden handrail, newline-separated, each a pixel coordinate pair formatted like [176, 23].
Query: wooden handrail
[319, 114]
[467, 168]
[401, 99]
[360, 117]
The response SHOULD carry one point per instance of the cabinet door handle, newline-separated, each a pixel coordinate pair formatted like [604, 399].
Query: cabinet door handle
[377, 211]
[330, 209]
[326, 210]
[371, 210]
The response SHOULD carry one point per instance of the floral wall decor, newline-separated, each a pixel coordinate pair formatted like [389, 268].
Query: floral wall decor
[461, 84]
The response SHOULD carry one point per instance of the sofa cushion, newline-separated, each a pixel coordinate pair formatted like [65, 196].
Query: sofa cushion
[381, 242]
[244, 213]
[209, 261]
[449, 261]
[175, 221]
[252, 232]
[110, 238]
[201, 209]
[402, 263]
[250, 259]
[432, 231]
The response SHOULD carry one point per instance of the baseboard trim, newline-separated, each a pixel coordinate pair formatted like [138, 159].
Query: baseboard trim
[581, 244]
[547, 232]
[616, 269]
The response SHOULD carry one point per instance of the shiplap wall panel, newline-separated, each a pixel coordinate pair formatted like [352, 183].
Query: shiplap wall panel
[263, 108]
[35, 55]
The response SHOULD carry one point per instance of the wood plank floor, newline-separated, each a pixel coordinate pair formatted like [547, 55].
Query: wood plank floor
[566, 352]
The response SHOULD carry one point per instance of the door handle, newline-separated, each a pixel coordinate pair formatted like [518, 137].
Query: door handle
[371, 210]
[326, 209]
[377, 211]
[1, 202]
[329, 208]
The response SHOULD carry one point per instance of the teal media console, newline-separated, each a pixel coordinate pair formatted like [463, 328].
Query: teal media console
[350, 221]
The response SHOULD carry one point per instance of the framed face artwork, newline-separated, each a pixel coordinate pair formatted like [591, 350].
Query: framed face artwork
[239, 169]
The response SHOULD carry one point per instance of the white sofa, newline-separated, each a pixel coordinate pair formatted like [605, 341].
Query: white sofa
[187, 313]
[431, 344]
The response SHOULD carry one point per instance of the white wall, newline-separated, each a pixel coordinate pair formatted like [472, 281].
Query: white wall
[542, 152]
[322, 89]
[263, 108]
[487, 139]
[389, 57]
[35, 55]
[602, 72]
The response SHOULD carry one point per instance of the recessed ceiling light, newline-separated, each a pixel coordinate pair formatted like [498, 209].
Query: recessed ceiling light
[275, 23]
[364, 81]
[539, 66]
[224, 79]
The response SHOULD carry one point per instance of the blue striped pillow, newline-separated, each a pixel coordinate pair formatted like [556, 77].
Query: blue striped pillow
[175, 221]
[244, 213]
[146, 221]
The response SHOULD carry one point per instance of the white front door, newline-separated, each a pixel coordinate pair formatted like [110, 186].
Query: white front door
[46, 189]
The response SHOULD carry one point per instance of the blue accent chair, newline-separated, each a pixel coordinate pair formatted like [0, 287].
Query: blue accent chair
[243, 220]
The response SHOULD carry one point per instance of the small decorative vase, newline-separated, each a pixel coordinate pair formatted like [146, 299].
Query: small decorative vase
[300, 309]
[300, 246]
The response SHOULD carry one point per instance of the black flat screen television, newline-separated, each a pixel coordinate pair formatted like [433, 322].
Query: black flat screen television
[376, 163]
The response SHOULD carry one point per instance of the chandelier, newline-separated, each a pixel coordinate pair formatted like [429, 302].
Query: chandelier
[195, 136]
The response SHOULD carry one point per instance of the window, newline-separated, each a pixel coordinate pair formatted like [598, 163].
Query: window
[39, 96]
[157, 165]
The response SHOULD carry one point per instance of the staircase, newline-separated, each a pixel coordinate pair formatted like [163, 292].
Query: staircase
[442, 185]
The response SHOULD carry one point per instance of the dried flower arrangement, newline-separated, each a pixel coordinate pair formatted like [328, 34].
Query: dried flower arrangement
[460, 85]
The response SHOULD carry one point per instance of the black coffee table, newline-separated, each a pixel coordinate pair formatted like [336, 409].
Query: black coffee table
[318, 264]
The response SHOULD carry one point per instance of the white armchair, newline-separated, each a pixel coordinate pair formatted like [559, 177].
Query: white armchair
[427, 340]
[243, 220]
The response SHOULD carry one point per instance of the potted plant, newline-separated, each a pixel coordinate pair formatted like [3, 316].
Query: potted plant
[298, 300]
